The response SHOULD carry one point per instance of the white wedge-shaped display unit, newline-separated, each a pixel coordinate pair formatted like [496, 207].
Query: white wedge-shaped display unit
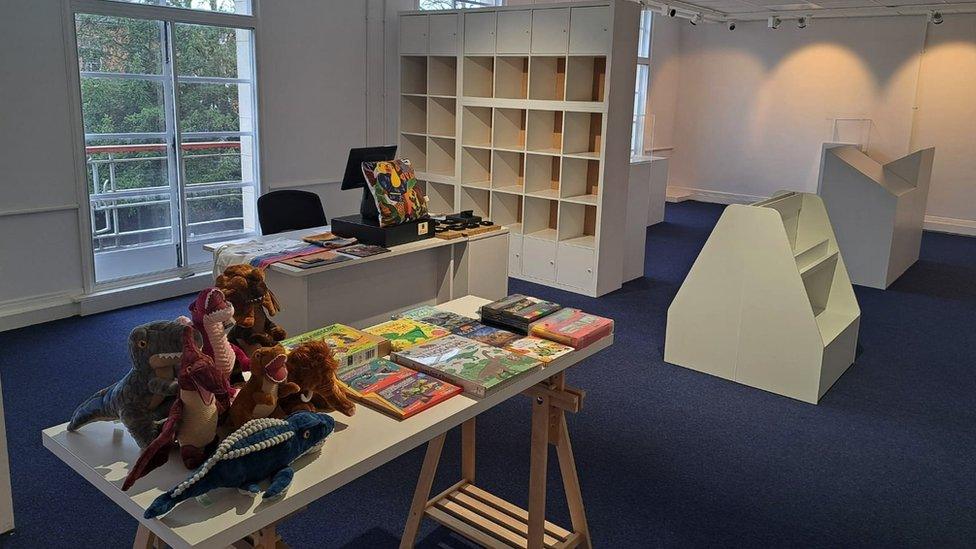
[768, 302]
[877, 210]
[539, 135]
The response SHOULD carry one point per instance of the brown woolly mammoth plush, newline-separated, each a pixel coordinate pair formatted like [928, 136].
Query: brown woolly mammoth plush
[312, 366]
[254, 305]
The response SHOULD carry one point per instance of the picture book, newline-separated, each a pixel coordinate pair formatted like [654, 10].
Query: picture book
[496, 337]
[364, 250]
[318, 259]
[352, 347]
[540, 349]
[572, 327]
[478, 368]
[437, 317]
[373, 376]
[405, 332]
[410, 395]
[329, 241]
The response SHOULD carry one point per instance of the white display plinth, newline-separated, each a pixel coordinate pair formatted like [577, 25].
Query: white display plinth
[876, 209]
[768, 302]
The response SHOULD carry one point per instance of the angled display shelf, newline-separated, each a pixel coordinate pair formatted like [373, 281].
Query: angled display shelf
[877, 210]
[523, 114]
[768, 302]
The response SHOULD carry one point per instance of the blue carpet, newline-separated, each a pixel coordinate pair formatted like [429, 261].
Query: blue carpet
[669, 457]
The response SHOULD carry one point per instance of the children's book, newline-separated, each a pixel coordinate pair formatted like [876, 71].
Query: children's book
[478, 368]
[373, 376]
[352, 347]
[572, 327]
[329, 241]
[543, 350]
[405, 332]
[517, 311]
[364, 250]
[410, 395]
[433, 315]
[489, 335]
[318, 259]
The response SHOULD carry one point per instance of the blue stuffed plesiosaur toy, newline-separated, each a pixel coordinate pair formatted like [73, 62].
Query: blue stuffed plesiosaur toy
[260, 449]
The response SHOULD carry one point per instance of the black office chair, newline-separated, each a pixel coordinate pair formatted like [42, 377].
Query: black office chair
[290, 210]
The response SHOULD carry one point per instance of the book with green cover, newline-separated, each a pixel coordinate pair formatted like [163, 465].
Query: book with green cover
[352, 347]
[405, 332]
[373, 376]
[411, 395]
[478, 368]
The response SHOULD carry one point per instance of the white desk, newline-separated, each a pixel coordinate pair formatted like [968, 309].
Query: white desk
[366, 291]
[103, 455]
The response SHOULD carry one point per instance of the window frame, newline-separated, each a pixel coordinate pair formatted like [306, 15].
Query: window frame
[642, 87]
[171, 16]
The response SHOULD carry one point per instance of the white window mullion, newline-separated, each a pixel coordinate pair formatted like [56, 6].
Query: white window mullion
[178, 173]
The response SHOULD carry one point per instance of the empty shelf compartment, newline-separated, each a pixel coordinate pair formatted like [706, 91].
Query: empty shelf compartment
[508, 171]
[512, 77]
[475, 167]
[509, 129]
[544, 132]
[413, 74]
[478, 78]
[580, 179]
[440, 156]
[506, 210]
[540, 218]
[586, 78]
[542, 175]
[476, 126]
[583, 133]
[547, 78]
[441, 116]
[442, 76]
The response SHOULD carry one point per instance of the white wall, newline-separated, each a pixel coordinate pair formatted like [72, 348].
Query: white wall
[313, 57]
[662, 92]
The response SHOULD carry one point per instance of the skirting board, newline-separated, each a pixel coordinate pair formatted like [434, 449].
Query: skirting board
[950, 225]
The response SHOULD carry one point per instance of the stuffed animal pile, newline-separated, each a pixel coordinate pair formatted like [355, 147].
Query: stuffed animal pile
[181, 392]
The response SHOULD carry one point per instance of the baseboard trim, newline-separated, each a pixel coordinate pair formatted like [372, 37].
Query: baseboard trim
[951, 225]
[18, 313]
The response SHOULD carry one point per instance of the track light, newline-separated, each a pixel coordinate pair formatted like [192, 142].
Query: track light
[668, 10]
[773, 22]
[697, 18]
[802, 22]
[731, 25]
[935, 17]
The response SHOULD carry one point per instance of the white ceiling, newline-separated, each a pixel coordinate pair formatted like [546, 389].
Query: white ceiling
[759, 9]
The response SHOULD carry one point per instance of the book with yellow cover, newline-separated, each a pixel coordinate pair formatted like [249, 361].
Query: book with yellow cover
[538, 348]
[404, 333]
[352, 347]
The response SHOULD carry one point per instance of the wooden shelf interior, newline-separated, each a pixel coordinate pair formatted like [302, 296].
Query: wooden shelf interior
[440, 156]
[442, 76]
[580, 178]
[583, 133]
[547, 78]
[586, 78]
[541, 217]
[577, 223]
[512, 77]
[475, 167]
[544, 131]
[477, 200]
[414, 149]
[509, 129]
[542, 175]
[413, 74]
[441, 116]
[478, 77]
[506, 209]
[413, 114]
[507, 170]
[440, 197]
[476, 126]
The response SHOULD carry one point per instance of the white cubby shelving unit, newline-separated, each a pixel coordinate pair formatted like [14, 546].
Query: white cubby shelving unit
[523, 114]
[768, 303]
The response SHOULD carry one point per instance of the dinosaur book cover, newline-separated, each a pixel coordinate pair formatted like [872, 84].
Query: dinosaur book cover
[538, 348]
[478, 368]
[411, 395]
[496, 337]
[373, 376]
[404, 333]
[437, 317]
[352, 347]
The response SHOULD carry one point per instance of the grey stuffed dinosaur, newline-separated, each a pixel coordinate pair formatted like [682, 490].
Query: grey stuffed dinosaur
[142, 398]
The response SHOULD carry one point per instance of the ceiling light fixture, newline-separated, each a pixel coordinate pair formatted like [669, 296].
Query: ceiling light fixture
[802, 21]
[773, 22]
[731, 25]
[935, 17]
[697, 18]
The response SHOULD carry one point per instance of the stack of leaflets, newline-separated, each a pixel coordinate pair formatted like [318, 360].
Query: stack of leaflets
[318, 259]
[352, 347]
[489, 335]
[516, 312]
[543, 350]
[404, 332]
[329, 241]
[435, 316]
[394, 389]
[478, 368]
[572, 327]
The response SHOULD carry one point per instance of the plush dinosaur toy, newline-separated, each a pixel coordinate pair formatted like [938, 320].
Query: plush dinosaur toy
[312, 366]
[143, 396]
[254, 305]
[213, 316]
[266, 385]
[204, 394]
[262, 448]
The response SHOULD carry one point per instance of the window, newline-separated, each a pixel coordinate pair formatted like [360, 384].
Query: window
[456, 4]
[146, 85]
[643, 74]
[240, 7]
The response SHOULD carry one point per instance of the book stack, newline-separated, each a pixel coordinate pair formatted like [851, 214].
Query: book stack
[572, 327]
[352, 347]
[403, 333]
[516, 312]
[329, 241]
[395, 389]
[478, 368]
